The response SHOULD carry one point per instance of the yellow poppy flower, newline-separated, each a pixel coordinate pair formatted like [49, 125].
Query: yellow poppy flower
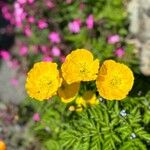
[43, 80]
[80, 101]
[2, 145]
[114, 80]
[80, 66]
[90, 98]
[68, 92]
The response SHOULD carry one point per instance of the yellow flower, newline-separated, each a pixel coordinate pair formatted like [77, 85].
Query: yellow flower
[79, 109]
[90, 98]
[80, 66]
[43, 80]
[80, 101]
[68, 92]
[114, 80]
[2, 145]
[72, 108]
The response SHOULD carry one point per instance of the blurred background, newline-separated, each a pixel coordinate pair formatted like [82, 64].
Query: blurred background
[47, 30]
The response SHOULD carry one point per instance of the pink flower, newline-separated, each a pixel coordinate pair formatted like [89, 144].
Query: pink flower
[90, 22]
[68, 1]
[47, 58]
[30, 1]
[44, 48]
[19, 14]
[113, 39]
[22, 1]
[54, 37]
[36, 117]
[5, 55]
[62, 58]
[14, 64]
[6, 12]
[23, 50]
[27, 31]
[56, 51]
[74, 26]
[49, 4]
[82, 6]
[119, 52]
[31, 19]
[14, 82]
[42, 24]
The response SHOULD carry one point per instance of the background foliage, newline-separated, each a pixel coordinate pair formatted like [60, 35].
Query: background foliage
[110, 18]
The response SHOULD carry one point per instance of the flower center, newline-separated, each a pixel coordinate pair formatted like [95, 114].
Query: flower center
[83, 69]
[115, 82]
[44, 83]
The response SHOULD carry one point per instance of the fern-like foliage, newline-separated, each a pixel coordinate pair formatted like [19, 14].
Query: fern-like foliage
[111, 125]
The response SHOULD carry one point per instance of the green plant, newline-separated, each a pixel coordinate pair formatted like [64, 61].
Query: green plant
[120, 125]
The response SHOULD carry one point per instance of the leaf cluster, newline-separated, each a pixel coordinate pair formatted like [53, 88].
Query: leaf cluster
[112, 125]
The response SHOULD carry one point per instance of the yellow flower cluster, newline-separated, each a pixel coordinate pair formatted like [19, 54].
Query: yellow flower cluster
[113, 80]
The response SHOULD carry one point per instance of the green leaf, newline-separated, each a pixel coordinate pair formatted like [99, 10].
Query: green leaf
[52, 145]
